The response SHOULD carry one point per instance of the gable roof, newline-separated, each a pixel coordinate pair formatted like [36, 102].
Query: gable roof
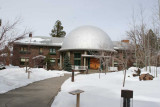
[41, 41]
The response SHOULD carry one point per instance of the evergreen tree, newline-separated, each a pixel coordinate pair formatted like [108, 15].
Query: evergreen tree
[47, 61]
[67, 64]
[152, 39]
[58, 30]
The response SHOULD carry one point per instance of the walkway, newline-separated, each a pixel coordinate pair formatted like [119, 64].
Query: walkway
[38, 94]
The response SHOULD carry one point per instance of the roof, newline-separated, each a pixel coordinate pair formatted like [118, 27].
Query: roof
[78, 40]
[41, 41]
[87, 38]
[118, 45]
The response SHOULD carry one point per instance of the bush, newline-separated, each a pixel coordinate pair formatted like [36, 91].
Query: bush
[67, 64]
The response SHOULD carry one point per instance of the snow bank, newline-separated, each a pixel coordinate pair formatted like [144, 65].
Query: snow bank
[15, 77]
[106, 91]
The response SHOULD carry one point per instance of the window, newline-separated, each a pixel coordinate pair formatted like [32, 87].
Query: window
[52, 51]
[77, 55]
[40, 50]
[124, 56]
[77, 58]
[23, 61]
[52, 61]
[24, 50]
[117, 56]
[134, 64]
[115, 64]
[77, 62]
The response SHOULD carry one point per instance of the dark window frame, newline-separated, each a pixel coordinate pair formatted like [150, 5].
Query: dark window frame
[77, 58]
[52, 63]
[23, 62]
[52, 51]
[40, 51]
[24, 50]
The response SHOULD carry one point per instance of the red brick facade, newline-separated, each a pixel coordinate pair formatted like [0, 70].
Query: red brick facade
[33, 51]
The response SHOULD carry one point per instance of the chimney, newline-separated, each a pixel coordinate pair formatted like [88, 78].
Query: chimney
[30, 34]
[125, 41]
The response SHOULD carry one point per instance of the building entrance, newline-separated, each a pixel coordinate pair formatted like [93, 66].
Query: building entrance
[94, 63]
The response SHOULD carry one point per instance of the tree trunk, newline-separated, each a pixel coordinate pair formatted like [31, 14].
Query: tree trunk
[124, 78]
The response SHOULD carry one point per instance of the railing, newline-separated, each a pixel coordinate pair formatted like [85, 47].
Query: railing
[75, 67]
[113, 69]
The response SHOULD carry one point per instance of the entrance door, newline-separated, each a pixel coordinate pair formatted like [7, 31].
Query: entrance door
[39, 63]
[94, 63]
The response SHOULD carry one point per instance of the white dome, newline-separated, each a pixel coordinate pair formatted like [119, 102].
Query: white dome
[87, 38]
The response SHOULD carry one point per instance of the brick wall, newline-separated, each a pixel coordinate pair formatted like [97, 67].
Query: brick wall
[32, 52]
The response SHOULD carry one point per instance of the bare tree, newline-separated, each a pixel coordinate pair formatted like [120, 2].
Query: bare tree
[156, 28]
[138, 36]
[9, 34]
[145, 39]
[125, 53]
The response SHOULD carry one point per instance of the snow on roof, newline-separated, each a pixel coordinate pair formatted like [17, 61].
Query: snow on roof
[39, 56]
[55, 41]
[41, 40]
[118, 45]
[3, 54]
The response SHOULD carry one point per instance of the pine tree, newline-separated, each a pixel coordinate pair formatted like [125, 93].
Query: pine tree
[152, 39]
[67, 64]
[58, 30]
[47, 61]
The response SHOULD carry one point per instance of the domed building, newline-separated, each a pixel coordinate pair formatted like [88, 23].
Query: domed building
[85, 46]
[82, 43]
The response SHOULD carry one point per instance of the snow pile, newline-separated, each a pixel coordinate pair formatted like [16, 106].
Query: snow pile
[106, 91]
[14, 77]
[144, 70]
[132, 69]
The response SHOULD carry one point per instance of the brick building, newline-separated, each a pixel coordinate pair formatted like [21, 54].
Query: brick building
[34, 50]
[82, 43]
[78, 44]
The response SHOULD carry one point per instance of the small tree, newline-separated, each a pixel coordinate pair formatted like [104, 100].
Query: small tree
[47, 61]
[58, 30]
[67, 64]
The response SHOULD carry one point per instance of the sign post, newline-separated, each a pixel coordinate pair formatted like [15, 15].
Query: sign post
[127, 95]
[77, 92]
[72, 76]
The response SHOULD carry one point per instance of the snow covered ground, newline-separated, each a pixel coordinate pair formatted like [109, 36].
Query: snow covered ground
[106, 90]
[14, 77]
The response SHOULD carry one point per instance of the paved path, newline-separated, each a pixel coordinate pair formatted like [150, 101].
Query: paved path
[38, 94]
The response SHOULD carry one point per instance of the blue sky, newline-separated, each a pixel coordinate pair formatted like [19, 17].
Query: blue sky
[112, 16]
